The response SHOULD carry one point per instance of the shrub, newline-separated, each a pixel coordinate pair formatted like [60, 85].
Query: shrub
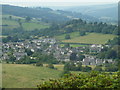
[67, 37]
[86, 69]
[39, 64]
[50, 66]
[98, 68]
[111, 69]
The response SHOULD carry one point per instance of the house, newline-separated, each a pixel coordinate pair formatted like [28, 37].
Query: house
[19, 55]
[95, 48]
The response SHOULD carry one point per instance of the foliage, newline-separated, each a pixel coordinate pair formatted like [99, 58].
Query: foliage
[27, 19]
[90, 80]
[29, 52]
[73, 56]
[67, 36]
[39, 64]
[98, 68]
[71, 66]
[64, 73]
[82, 33]
[50, 66]
[86, 69]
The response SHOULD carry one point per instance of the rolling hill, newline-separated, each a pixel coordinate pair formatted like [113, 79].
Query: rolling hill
[44, 14]
[104, 12]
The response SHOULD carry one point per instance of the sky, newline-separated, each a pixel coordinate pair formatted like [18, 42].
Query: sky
[55, 2]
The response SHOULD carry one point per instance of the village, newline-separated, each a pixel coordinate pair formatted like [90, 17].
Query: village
[51, 45]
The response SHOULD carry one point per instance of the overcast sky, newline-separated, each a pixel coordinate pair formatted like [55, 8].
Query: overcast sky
[55, 2]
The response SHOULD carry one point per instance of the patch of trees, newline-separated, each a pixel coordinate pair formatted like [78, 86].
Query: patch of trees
[75, 57]
[44, 13]
[39, 58]
[109, 54]
[90, 80]
[83, 27]
[71, 66]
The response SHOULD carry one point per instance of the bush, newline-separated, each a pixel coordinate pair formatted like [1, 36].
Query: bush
[67, 37]
[111, 69]
[64, 73]
[39, 64]
[50, 66]
[98, 68]
[86, 69]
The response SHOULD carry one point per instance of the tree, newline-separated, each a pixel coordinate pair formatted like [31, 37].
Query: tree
[73, 56]
[65, 72]
[81, 57]
[82, 33]
[79, 66]
[29, 52]
[98, 68]
[10, 17]
[86, 69]
[12, 58]
[111, 54]
[67, 37]
[67, 66]
[27, 19]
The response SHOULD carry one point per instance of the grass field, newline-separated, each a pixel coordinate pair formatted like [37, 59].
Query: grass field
[13, 23]
[74, 45]
[32, 26]
[10, 22]
[91, 38]
[26, 76]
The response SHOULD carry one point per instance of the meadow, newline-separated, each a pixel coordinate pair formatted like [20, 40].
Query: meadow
[13, 23]
[90, 38]
[26, 76]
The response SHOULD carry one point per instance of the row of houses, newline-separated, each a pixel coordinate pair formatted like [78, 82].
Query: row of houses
[48, 46]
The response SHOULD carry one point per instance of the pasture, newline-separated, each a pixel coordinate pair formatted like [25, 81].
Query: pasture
[26, 76]
[90, 38]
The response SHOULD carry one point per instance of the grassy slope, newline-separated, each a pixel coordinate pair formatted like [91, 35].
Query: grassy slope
[23, 76]
[91, 38]
[33, 24]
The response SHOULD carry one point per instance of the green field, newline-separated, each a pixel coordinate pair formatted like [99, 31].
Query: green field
[10, 22]
[90, 38]
[74, 45]
[26, 76]
[13, 23]
[32, 26]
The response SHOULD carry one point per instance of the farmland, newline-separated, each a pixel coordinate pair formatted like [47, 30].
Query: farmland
[13, 23]
[90, 38]
[26, 76]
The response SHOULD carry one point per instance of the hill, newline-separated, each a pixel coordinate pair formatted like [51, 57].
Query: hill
[104, 12]
[44, 14]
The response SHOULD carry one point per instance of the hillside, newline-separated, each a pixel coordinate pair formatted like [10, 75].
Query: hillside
[92, 38]
[14, 22]
[44, 14]
[104, 12]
